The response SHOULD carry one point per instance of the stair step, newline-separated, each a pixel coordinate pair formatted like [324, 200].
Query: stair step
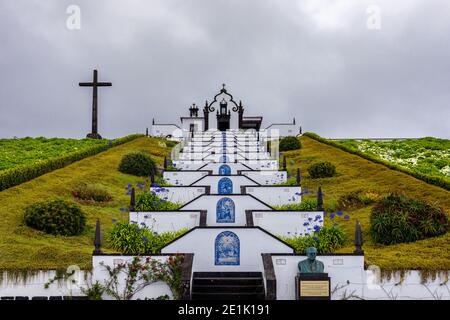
[227, 281]
[228, 296]
[228, 289]
[227, 274]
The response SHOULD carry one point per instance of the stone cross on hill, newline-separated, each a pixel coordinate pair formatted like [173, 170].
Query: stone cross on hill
[94, 84]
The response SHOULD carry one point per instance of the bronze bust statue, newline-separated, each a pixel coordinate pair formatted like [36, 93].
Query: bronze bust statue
[311, 265]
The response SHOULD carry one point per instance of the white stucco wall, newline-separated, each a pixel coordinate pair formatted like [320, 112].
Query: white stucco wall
[214, 167]
[288, 223]
[166, 221]
[276, 196]
[262, 164]
[241, 202]
[180, 195]
[267, 177]
[213, 181]
[201, 243]
[152, 291]
[347, 272]
[33, 286]
[164, 130]
[189, 165]
[183, 178]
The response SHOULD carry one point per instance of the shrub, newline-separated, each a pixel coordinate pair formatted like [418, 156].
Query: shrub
[56, 217]
[21, 174]
[132, 239]
[322, 170]
[91, 193]
[358, 199]
[138, 164]
[151, 202]
[304, 205]
[398, 219]
[326, 240]
[289, 143]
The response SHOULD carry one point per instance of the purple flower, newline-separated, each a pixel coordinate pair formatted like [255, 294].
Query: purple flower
[318, 217]
[335, 224]
[114, 220]
[306, 224]
[316, 228]
[145, 239]
[142, 224]
[347, 217]
[332, 215]
[310, 219]
[339, 213]
[316, 239]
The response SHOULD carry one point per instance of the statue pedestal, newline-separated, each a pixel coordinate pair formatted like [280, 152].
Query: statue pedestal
[312, 286]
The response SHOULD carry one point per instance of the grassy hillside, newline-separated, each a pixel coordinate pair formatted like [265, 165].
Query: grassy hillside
[430, 156]
[25, 248]
[356, 173]
[25, 151]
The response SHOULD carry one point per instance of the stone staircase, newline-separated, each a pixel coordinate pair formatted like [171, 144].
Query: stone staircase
[228, 286]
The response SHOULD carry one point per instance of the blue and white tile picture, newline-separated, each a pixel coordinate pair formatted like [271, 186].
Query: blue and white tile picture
[225, 186]
[227, 249]
[224, 170]
[225, 211]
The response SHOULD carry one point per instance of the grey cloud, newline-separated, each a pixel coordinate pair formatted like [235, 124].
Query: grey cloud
[313, 60]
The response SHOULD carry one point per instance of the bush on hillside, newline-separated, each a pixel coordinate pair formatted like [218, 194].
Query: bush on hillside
[304, 205]
[358, 199]
[289, 143]
[129, 238]
[87, 192]
[56, 217]
[326, 240]
[398, 219]
[152, 202]
[138, 164]
[322, 170]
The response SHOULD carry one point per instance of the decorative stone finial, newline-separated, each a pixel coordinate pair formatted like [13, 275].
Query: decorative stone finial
[319, 199]
[358, 239]
[133, 200]
[97, 239]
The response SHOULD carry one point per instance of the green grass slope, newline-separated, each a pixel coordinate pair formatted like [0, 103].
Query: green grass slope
[356, 173]
[22, 248]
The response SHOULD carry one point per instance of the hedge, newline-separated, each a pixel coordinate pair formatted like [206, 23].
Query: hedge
[437, 181]
[15, 176]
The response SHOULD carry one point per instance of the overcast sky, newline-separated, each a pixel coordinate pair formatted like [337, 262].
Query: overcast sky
[314, 60]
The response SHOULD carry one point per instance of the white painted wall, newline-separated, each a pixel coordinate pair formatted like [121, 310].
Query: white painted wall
[288, 223]
[214, 167]
[276, 196]
[201, 243]
[152, 291]
[166, 221]
[188, 165]
[164, 130]
[33, 286]
[241, 202]
[363, 283]
[262, 164]
[213, 181]
[180, 195]
[183, 178]
[267, 177]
